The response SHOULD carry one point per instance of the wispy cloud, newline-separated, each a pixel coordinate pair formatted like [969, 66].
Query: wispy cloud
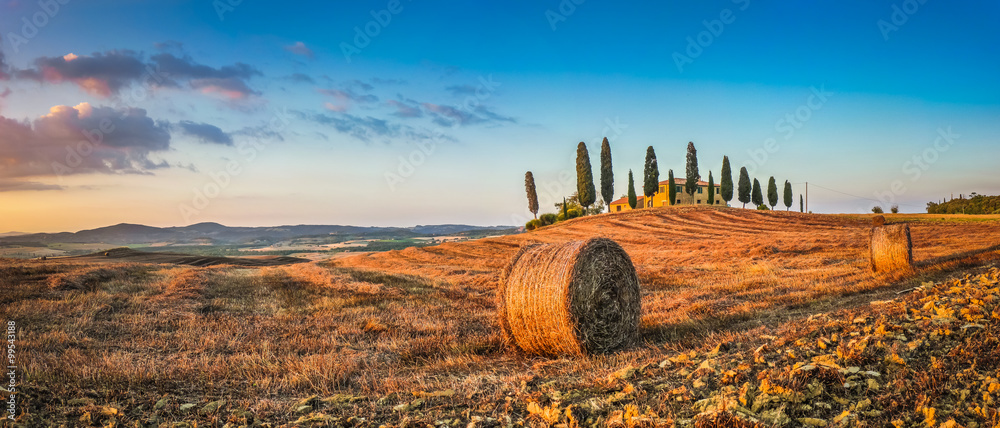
[446, 115]
[230, 88]
[299, 48]
[21, 186]
[404, 109]
[381, 81]
[357, 84]
[300, 78]
[205, 133]
[369, 129]
[4, 68]
[461, 90]
[169, 46]
[344, 99]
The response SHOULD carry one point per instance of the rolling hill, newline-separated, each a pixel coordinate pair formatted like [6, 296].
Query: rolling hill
[125, 233]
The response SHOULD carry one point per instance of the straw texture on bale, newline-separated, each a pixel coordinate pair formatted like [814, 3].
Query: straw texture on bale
[574, 298]
[891, 248]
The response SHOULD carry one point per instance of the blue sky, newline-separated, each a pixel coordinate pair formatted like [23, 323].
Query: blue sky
[250, 113]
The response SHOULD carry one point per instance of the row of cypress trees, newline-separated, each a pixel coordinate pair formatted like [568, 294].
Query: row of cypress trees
[587, 193]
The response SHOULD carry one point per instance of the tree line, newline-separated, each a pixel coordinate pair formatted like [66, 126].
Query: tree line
[974, 204]
[586, 194]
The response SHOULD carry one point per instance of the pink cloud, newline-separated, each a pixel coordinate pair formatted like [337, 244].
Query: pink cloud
[336, 108]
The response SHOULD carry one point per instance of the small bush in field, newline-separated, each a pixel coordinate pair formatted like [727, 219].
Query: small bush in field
[877, 209]
[548, 219]
[533, 224]
[570, 213]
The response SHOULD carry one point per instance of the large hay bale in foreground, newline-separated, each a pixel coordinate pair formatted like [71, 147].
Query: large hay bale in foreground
[579, 297]
[891, 248]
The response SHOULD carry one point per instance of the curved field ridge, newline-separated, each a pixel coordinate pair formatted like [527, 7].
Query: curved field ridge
[699, 261]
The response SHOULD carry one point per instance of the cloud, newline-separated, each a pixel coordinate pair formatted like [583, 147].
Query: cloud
[20, 186]
[445, 115]
[405, 110]
[449, 116]
[300, 78]
[299, 48]
[108, 73]
[209, 134]
[169, 45]
[82, 139]
[260, 132]
[369, 129]
[335, 107]
[4, 94]
[380, 81]
[358, 84]
[101, 74]
[344, 99]
[349, 96]
[460, 90]
[363, 128]
[229, 81]
[231, 88]
[492, 116]
[4, 68]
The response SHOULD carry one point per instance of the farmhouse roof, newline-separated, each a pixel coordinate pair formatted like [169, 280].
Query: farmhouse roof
[638, 200]
[684, 180]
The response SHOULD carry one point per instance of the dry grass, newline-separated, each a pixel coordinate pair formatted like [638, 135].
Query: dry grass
[573, 298]
[385, 330]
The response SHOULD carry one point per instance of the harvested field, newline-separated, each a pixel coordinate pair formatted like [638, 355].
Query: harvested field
[127, 255]
[410, 337]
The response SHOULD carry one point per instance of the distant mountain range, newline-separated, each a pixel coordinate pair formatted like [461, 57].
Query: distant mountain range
[215, 233]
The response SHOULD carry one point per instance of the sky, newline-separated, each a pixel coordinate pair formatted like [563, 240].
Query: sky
[398, 113]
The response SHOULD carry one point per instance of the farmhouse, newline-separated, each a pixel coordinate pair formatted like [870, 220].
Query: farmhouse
[659, 199]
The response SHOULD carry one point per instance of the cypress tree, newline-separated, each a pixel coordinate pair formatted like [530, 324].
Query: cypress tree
[756, 196]
[586, 193]
[651, 176]
[607, 176]
[631, 191]
[671, 188]
[788, 195]
[693, 176]
[565, 209]
[772, 192]
[802, 204]
[726, 188]
[744, 189]
[529, 186]
[711, 189]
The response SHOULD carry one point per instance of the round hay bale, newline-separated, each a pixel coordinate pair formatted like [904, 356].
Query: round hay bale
[878, 220]
[574, 298]
[891, 248]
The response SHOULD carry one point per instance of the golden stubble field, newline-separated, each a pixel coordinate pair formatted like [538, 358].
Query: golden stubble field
[410, 336]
